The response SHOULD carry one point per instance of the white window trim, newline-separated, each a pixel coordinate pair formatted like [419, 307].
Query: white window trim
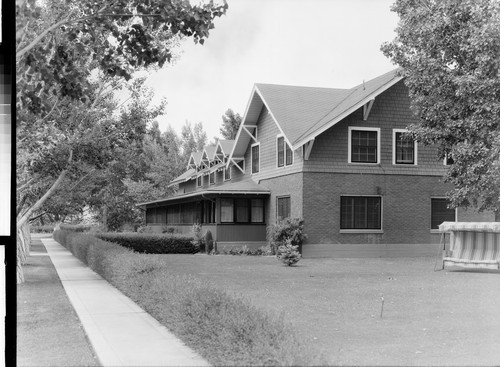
[446, 156]
[377, 231]
[430, 213]
[349, 145]
[215, 178]
[251, 158]
[415, 149]
[201, 181]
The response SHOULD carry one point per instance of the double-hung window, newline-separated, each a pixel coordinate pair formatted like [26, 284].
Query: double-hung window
[212, 178]
[227, 173]
[404, 148]
[255, 158]
[242, 210]
[364, 145]
[285, 154]
[361, 212]
[283, 207]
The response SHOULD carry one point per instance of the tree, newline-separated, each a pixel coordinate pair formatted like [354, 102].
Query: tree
[449, 52]
[230, 124]
[70, 58]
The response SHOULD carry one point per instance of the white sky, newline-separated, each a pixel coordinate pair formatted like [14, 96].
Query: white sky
[323, 43]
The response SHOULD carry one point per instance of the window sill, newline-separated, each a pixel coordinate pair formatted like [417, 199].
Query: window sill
[361, 231]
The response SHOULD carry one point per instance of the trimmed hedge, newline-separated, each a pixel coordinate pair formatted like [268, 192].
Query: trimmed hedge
[224, 329]
[42, 229]
[76, 227]
[152, 243]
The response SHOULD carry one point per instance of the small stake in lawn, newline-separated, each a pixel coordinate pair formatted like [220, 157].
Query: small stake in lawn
[382, 308]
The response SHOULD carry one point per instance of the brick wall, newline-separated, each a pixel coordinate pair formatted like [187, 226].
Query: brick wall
[406, 206]
[287, 185]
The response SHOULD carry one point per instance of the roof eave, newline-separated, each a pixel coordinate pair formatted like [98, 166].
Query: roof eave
[346, 113]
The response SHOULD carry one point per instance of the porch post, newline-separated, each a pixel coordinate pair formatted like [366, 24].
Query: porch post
[217, 217]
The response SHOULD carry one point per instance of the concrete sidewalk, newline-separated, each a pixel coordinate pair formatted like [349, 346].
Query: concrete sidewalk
[121, 333]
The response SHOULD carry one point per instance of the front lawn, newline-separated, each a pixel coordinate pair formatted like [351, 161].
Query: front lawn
[429, 318]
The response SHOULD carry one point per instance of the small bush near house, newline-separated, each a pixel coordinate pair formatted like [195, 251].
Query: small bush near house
[198, 238]
[224, 329]
[287, 229]
[288, 254]
[209, 242]
[151, 243]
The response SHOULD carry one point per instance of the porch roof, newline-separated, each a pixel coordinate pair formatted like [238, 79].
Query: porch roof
[244, 187]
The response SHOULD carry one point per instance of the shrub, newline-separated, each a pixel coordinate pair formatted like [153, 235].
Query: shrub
[288, 254]
[198, 238]
[75, 227]
[244, 250]
[209, 242]
[42, 229]
[154, 229]
[151, 243]
[287, 229]
[224, 329]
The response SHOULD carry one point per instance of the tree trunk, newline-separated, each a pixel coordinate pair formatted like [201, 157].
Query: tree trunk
[42, 200]
[23, 249]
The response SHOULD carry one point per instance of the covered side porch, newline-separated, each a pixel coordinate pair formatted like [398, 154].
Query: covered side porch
[235, 214]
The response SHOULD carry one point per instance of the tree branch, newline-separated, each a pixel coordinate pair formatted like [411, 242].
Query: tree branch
[25, 217]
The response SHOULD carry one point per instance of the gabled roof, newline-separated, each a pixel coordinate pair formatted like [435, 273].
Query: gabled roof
[225, 146]
[195, 158]
[302, 113]
[186, 176]
[209, 151]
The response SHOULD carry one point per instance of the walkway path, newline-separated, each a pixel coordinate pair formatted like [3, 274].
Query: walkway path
[121, 333]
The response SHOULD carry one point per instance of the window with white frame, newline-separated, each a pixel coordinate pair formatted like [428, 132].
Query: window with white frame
[255, 158]
[284, 152]
[404, 148]
[199, 181]
[360, 212]
[212, 178]
[364, 145]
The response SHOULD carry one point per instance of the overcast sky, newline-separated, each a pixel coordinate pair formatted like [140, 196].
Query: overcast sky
[323, 43]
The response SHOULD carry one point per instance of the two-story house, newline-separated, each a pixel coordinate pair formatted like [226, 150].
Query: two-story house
[338, 158]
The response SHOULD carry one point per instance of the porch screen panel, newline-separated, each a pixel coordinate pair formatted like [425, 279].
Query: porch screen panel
[257, 210]
[173, 214]
[188, 213]
[226, 210]
[161, 215]
[241, 210]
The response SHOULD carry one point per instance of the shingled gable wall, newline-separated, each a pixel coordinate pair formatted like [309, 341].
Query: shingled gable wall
[406, 191]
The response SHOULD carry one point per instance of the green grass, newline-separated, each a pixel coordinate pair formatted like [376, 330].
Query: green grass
[225, 329]
[334, 305]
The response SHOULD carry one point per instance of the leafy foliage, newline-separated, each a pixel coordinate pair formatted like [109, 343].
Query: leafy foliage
[291, 229]
[449, 54]
[152, 243]
[223, 329]
[288, 254]
[230, 124]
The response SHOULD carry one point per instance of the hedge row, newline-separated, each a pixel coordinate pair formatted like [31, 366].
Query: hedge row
[152, 243]
[42, 229]
[224, 329]
[75, 227]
